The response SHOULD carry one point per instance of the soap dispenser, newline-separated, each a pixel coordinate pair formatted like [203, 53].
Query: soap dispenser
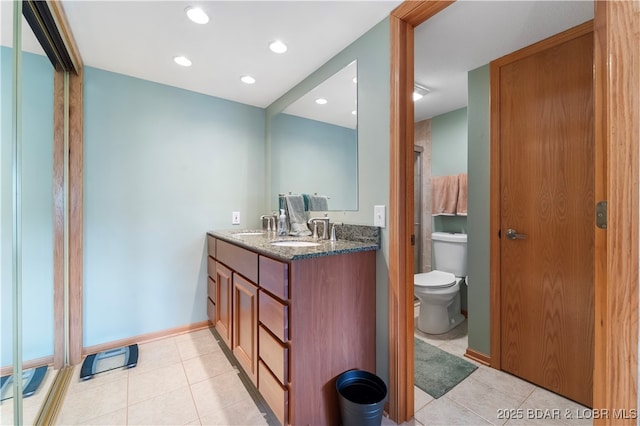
[282, 223]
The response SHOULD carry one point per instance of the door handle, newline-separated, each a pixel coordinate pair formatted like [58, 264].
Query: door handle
[512, 234]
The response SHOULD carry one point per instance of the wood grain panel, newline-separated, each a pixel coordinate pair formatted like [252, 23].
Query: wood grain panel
[241, 260]
[58, 220]
[211, 246]
[401, 223]
[546, 192]
[211, 267]
[274, 277]
[276, 395]
[618, 111]
[76, 208]
[224, 288]
[211, 288]
[274, 354]
[328, 296]
[273, 315]
[211, 311]
[245, 326]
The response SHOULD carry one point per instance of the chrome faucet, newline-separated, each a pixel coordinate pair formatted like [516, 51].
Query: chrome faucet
[333, 231]
[325, 226]
[271, 221]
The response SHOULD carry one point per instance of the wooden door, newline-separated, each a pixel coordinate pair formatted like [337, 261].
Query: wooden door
[223, 303]
[546, 131]
[245, 325]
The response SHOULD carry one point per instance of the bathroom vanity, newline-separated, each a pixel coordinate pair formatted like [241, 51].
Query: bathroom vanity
[294, 317]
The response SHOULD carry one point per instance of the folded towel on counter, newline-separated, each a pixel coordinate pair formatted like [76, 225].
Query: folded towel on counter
[297, 216]
[318, 203]
[444, 195]
[461, 207]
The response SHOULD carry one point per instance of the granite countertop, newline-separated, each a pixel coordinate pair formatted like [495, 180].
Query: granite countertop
[362, 238]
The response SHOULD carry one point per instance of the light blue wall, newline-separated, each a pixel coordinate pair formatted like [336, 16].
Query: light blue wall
[162, 166]
[478, 220]
[37, 206]
[372, 51]
[449, 157]
[321, 162]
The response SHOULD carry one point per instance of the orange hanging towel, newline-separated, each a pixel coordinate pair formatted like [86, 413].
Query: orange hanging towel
[444, 195]
[461, 208]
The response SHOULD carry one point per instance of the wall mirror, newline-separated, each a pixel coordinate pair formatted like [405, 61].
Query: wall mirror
[314, 144]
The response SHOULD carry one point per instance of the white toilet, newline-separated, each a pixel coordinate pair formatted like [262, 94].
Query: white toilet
[439, 290]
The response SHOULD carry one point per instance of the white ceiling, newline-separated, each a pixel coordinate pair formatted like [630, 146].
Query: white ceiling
[469, 34]
[140, 38]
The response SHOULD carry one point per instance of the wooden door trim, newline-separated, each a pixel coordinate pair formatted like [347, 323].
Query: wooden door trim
[74, 190]
[614, 31]
[495, 182]
[617, 92]
[401, 370]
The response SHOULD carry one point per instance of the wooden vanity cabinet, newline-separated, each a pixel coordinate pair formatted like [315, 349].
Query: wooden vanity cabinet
[294, 326]
[211, 280]
[245, 325]
[224, 290]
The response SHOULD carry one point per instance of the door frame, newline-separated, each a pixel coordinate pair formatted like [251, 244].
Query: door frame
[617, 130]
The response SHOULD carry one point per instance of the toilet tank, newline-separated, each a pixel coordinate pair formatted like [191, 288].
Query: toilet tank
[450, 253]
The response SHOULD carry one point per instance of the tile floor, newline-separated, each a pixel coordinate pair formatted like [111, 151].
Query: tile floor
[182, 380]
[490, 397]
[188, 380]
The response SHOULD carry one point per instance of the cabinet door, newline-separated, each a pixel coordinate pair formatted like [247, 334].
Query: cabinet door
[245, 325]
[223, 303]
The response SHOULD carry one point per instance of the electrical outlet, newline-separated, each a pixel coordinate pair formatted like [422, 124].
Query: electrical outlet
[235, 218]
[379, 218]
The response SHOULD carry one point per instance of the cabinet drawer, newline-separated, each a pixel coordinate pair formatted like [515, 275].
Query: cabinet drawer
[273, 315]
[274, 277]
[211, 246]
[211, 267]
[211, 289]
[274, 354]
[211, 311]
[242, 261]
[274, 393]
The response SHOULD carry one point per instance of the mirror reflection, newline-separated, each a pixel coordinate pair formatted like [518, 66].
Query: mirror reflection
[35, 103]
[314, 143]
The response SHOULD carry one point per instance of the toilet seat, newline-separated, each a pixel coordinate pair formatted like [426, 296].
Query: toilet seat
[435, 280]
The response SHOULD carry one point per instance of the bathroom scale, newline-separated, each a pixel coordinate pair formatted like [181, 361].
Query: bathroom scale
[124, 357]
[31, 380]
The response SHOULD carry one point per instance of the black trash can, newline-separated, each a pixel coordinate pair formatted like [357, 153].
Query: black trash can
[362, 396]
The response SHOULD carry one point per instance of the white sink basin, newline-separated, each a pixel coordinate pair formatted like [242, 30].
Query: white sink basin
[240, 234]
[295, 244]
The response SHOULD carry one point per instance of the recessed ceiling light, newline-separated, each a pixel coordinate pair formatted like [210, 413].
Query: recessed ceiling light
[197, 15]
[247, 79]
[278, 47]
[416, 96]
[321, 101]
[355, 79]
[181, 60]
[354, 112]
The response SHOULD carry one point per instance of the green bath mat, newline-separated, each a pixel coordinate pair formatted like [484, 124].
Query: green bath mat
[437, 371]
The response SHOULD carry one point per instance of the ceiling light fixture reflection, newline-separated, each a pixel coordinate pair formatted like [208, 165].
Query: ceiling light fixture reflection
[197, 15]
[247, 79]
[278, 47]
[182, 61]
[321, 101]
[419, 91]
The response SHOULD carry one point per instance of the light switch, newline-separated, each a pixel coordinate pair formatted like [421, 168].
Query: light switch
[379, 218]
[235, 218]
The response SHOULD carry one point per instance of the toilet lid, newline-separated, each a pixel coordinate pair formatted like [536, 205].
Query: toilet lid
[435, 279]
